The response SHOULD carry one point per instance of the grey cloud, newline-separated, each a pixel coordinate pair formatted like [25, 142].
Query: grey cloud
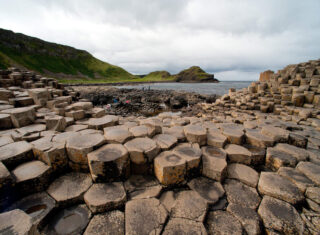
[230, 38]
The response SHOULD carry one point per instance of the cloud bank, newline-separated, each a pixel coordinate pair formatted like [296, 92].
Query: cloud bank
[233, 39]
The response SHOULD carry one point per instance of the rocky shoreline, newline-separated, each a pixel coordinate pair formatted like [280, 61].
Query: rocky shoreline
[245, 163]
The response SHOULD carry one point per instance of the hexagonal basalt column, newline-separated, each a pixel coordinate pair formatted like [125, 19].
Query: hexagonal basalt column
[105, 121]
[15, 153]
[214, 164]
[196, 134]
[16, 222]
[165, 141]
[21, 116]
[109, 163]
[117, 134]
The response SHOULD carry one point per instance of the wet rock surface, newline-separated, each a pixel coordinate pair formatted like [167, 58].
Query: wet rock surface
[215, 167]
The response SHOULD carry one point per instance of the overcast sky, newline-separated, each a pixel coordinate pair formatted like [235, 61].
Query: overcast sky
[234, 39]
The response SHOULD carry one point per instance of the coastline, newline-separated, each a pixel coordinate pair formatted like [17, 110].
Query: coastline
[131, 83]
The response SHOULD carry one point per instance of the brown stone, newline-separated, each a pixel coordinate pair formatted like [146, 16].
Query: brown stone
[214, 164]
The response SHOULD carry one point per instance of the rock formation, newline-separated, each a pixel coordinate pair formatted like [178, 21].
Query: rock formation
[68, 167]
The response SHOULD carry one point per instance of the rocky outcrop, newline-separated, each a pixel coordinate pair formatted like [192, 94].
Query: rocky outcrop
[194, 74]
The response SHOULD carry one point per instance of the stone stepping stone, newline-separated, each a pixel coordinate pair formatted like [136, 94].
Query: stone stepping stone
[76, 114]
[274, 185]
[214, 164]
[63, 137]
[117, 134]
[169, 168]
[276, 159]
[80, 106]
[72, 220]
[70, 188]
[37, 205]
[109, 163]
[190, 205]
[196, 134]
[15, 153]
[280, 216]
[142, 131]
[255, 138]
[168, 199]
[105, 121]
[142, 186]
[105, 197]
[234, 135]
[56, 123]
[4, 140]
[183, 226]
[216, 139]
[258, 154]
[97, 112]
[34, 128]
[313, 193]
[78, 146]
[299, 153]
[144, 217]
[21, 117]
[165, 141]
[142, 150]
[248, 217]
[238, 154]
[110, 223]
[76, 128]
[52, 153]
[5, 121]
[311, 170]
[278, 134]
[32, 176]
[222, 222]
[16, 222]
[154, 123]
[40, 96]
[210, 190]
[176, 131]
[296, 177]
[239, 193]
[244, 174]
[192, 154]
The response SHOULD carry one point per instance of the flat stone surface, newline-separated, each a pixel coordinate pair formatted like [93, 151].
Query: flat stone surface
[191, 154]
[190, 205]
[9, 225]
[211, 191]
[4, 140]
[72, 220]
[70, 188]
[78, 146]
[276, 159]
[30, 170]
[296, 177]
[15, 153]
[76, 128]
[38, 206]
[274, 185]
[238, 154]
[280, 216]
[144, 217]
[183, 226]
[142, 131]
[105, 197]
[222, 222]
[105, 121]
[56, 123]
[248, 217]
[176, 131]
[142, 150]
[216, 139]
[169, 168]
[255, 138]
[313, 193]
[110, 223]
[117, 134]
[21, 116]
[196, 134]
[154, 123]
[109, 163]
[5, 121]
[311, 170]
[234, 135]
[165, 141]
[168, 199]
[239, 193]
[278, 134]
[243, 173]
[299, 153]
[142, 186]
[214, 164]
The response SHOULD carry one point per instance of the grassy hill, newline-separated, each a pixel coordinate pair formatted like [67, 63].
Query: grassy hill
[194, 74]
[159, 76]
[56, 60]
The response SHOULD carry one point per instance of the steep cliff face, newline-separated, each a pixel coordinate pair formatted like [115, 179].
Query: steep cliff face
[194, 74]
[54, 59]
